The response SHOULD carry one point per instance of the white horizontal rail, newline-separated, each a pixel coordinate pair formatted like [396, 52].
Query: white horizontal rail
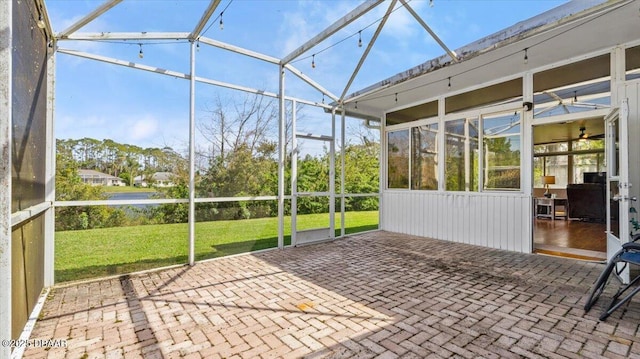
[124, 202]
[312, 194]
[118, 202]
[185, 76]
[314, 137]
[29, 213]
[127, 36]
[359, 195]
[235, 199]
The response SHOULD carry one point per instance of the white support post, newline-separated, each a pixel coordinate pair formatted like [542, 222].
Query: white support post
[50, 173]
[294, 175]
[442, 183]
[6, 11]
[282, 124]
[382, 170]
[332, 177]
[192, 154]
[526, 126]
[343, 147]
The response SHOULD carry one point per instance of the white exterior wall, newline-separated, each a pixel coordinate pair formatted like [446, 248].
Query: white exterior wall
[495, 220]
[501, 220]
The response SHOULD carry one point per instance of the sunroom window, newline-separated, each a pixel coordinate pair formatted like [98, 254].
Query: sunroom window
[424, 157]
[398, 159]
[501, 149]
[461, 163]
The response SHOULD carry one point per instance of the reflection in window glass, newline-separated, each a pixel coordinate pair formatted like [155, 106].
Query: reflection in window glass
[455, 155]
[398, 159]
[557, 166]
[551, 148]
[502, 152]
[568, 161]
[474, 153]
[424, 158]
[592, 162]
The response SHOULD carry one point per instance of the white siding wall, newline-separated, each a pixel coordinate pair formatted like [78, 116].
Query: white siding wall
[492, 220]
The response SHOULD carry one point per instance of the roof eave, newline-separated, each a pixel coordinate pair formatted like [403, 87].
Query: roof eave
[548, 20]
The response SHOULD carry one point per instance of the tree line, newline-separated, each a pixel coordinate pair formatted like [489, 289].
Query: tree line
[238, 158]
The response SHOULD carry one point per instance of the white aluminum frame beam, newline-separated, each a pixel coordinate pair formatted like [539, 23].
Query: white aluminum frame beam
[368, 49]
[182, 75]
[88, 18]
[332, 29]
[124, 36]
[310, 81]
[205, 18]
[6, 55]
[452, 54]
[238, 50]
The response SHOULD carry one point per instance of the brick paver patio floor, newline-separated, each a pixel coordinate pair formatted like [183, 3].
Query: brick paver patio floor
[372, 295]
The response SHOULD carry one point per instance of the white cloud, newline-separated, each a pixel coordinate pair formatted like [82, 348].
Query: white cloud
[144, 128]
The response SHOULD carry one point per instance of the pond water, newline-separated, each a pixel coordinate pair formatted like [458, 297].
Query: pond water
[133, 196]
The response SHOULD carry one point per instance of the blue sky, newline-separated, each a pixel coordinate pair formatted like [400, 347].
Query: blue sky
[99, 100]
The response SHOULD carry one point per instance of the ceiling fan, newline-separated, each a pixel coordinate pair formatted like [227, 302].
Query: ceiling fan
[583, 136]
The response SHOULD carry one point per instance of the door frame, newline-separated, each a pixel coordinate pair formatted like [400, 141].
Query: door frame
[617, 143]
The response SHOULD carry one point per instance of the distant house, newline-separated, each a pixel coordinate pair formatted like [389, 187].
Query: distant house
[158, 179]
[96, 178]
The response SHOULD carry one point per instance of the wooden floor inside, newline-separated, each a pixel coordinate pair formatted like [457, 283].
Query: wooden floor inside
[570, 238]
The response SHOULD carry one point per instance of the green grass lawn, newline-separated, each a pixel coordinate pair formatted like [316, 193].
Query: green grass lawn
[100, 252]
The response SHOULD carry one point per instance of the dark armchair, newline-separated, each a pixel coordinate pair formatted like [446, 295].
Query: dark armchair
[586, 202]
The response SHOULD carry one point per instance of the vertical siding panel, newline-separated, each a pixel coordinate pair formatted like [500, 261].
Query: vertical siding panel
[504, 223]
[453, 228]
[396, 220]
[482, 215]
[426, 215]
[404, 210]
[421, 199]
[417, 214]
[505, 203]
[441, 217]
[514, 236]
[386, 212]
[392, 212]
[472, 220]
[497, 215]
[451, 204]
[433, 215]
[490, 224]
[477, 222]
[463, 226]
[409, 213]
[521, 233]
[495, 221]
[511, 236]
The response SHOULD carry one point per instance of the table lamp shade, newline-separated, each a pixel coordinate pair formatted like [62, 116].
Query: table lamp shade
[549, 180]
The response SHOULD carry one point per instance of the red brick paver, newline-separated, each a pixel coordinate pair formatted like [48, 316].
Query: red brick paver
[379, 295]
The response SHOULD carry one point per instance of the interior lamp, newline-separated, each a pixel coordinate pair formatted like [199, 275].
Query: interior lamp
[547, 180]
